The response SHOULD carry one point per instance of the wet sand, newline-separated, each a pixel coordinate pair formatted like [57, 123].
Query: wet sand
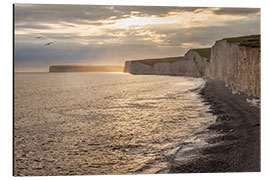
[237, 146]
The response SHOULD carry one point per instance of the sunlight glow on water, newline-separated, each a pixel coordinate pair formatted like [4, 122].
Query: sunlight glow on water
[102, 123]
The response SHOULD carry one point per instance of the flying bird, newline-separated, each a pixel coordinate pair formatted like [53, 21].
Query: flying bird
[49, 43]
[45, 39]
[39, 37]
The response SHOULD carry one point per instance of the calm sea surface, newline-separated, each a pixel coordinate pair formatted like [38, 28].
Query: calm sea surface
[104, 123]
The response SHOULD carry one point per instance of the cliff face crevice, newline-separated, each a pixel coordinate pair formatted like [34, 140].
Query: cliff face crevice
[236, 61]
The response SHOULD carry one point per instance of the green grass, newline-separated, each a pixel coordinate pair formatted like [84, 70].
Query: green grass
[204, 52]
[152, 62]
[248, 41]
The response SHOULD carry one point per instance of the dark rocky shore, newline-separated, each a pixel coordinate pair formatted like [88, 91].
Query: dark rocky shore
[237, 146]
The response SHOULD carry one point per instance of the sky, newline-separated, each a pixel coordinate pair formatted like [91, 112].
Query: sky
[110, 35]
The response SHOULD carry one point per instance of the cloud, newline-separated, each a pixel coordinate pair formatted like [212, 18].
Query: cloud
[86, 13]
[208, 32]
[84, 34]
[93, 14]
[31, 26]
[237, 11]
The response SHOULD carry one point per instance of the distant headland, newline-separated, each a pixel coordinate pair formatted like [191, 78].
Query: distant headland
[85, 68]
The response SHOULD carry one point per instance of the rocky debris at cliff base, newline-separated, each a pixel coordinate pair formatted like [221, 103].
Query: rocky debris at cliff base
[254, 102]
[237, 149]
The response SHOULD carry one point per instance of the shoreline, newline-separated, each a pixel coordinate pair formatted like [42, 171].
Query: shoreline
[237, 146]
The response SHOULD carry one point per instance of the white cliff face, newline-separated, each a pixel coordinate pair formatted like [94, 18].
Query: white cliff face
[52, 69]
[140, 68]
[200, 61]
[238, 66]
[127, 66]
[162, 68]
[190, 65]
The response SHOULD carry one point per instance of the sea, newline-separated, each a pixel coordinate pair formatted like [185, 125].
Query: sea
[105, 123]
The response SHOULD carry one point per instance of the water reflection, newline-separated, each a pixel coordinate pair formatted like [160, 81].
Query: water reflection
[103, 123]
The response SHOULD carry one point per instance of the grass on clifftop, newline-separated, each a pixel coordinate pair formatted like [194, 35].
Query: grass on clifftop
[248, 41]
[152, 62]
[204, 52]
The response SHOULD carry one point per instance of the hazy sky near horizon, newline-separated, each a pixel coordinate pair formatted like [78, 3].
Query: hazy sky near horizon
[100, 35]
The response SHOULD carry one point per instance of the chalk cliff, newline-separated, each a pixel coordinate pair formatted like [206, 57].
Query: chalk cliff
[192, 64]
[236, 61]
[237, 65]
